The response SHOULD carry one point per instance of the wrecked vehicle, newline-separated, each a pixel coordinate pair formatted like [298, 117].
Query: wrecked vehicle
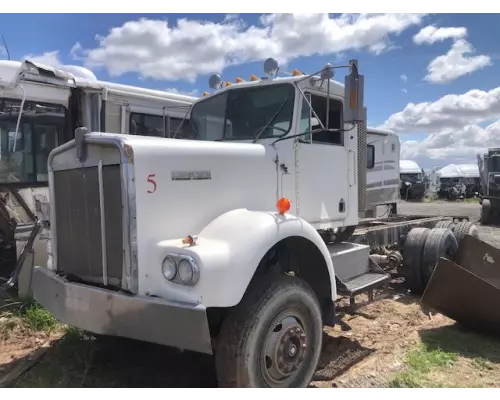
[412, 181]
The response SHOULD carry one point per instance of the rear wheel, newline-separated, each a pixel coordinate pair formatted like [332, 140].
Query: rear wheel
[411, 269]
[465, 228]
[447, 224]
[486, 211]
[273, 338]
[440, 242]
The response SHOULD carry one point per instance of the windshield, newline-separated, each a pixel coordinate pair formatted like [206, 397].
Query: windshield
[413, 178]
[23, 159]
[494, 163]
[241, 114]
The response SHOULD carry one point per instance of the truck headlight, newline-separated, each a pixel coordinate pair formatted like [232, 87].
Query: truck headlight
[188, 271]
[169, 268]
[180, 269]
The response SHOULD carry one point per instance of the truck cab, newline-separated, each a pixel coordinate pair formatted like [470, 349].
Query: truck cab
[489, 170]
[219, 245]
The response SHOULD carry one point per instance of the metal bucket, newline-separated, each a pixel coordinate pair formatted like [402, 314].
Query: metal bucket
[467, 289]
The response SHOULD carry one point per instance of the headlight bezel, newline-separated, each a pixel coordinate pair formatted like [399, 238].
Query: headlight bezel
[185, 260]
[175, 269]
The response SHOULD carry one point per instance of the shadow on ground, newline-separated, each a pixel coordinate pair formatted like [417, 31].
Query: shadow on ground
[81, 360]
[463, 342]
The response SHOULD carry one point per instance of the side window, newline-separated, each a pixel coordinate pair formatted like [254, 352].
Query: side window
[319, 104]
[185, 132]
[305, 120]
[370, 156]
[146, 125]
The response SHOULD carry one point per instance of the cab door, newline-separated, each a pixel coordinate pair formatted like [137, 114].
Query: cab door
[321, 165]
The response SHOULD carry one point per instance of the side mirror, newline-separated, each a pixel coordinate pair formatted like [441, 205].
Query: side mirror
[314, 123]
[353, 94]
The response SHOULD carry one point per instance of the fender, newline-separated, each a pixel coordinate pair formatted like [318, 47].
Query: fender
[229, 250]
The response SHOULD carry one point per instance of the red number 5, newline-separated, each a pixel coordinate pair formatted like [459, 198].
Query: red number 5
[152, 182]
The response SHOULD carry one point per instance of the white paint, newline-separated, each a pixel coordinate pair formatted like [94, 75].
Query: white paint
[409, 167]
[228, 251]
[459, 171]
[384, 176]
[488, 258]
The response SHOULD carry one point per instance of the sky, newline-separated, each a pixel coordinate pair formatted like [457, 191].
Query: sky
[432, 78]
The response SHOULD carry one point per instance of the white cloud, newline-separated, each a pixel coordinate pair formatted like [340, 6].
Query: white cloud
[157, 49]
[450, 125]
[453, 145]
[459, 61]
[453, 111]
[75, 51]
[49, 58]
[431, 34]
[404, 78]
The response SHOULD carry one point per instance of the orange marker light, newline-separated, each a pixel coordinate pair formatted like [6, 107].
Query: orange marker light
[283, 205]
[239, 80]
[205, 94]
[190, 240]
[353, 99]
[228, 83]
[254, 78]
[296, 72]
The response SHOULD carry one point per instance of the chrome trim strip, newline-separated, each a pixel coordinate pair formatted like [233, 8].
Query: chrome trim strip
[103, 226]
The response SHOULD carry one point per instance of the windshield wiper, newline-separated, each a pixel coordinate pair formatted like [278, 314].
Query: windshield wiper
[270, 121]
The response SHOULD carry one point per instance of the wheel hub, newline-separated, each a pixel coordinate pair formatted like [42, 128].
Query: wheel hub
[285, 349]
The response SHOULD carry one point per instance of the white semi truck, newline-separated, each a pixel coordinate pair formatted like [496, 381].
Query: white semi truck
[229, 244]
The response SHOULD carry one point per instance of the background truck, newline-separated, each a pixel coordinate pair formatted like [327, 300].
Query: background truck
[489, 170]
[382, 176]
[229, 244]
[412, 180]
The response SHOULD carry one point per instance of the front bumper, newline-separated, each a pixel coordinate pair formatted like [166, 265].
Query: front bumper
[106, 312]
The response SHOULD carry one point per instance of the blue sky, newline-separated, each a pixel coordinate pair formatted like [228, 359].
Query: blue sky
[434, 129]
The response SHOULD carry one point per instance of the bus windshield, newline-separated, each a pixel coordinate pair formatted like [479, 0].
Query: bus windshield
[245, 114]
[23, 157]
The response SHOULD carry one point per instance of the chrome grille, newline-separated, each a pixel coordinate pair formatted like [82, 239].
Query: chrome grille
[78, 223]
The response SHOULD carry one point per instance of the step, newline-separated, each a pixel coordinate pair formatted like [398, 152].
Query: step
[349, 259]
[364, 282]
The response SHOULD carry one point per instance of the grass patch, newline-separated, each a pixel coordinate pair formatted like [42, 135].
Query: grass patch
[420, 362]
[450, 357]
[482, 364]
[36, 317]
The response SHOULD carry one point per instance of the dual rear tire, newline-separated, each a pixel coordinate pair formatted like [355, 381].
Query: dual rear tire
[423, 248]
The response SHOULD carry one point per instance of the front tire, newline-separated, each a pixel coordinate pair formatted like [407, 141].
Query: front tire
[273, 338]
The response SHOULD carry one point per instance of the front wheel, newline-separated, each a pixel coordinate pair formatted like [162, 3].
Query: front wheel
[273, 338]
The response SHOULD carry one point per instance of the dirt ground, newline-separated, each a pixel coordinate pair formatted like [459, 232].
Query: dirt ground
[392, 342]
